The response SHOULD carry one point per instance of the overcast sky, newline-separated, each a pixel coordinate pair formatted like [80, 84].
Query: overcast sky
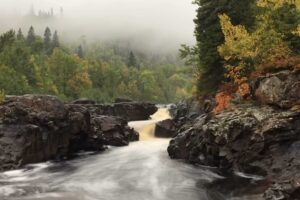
[162, 22]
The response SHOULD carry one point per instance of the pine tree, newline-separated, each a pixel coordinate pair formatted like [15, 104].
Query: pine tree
[55, 41]
[47, 41]
[209, 36]
[132, 60]
[20, 35]
[80, 51]
[31, 36]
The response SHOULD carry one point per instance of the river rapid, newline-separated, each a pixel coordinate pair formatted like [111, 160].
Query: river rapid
[140, 171]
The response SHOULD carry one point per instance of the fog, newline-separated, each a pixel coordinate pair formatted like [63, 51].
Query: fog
[152, 24]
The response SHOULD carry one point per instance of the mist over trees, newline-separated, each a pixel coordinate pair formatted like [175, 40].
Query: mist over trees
[132, 22]
[40, 64]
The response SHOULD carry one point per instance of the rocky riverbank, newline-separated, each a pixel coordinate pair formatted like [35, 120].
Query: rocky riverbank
[261, 136]
[40, 128]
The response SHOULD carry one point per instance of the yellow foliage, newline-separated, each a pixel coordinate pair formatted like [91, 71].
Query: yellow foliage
[81, 80]
[248, 50]
[275, 4]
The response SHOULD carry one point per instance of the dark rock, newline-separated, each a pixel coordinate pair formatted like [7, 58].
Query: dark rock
[113, 131]
[281, 89]
[165, 129]
[84, 101]
[39, 128]
[252, 139]
[122, 100]
[129, 111]
[185, 112]
[33, 129]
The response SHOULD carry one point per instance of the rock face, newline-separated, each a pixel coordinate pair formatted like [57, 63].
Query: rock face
[281, 89]
[184, 113]
[251, 139]
[165, 129]
[39, 128]
[113, 131]
[130, 111]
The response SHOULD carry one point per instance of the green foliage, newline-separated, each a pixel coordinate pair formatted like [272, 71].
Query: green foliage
[132, 62]
[103, 73]
[47, 41]
[30, 36]
[271, 39]
[20, 35]
[209, 36]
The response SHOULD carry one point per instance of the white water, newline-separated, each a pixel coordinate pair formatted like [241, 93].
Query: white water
[141, 171]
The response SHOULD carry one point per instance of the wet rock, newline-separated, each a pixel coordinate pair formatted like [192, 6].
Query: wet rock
[33, 129]
[122, 100]
[37, 128]
[252, 139]
[113, 131]
[185, 112]
[281, 89]
[165, 129]
[129, 111]
[84, 101]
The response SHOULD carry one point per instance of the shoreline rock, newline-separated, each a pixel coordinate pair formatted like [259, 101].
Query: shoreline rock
[261, 137]
[37, 128]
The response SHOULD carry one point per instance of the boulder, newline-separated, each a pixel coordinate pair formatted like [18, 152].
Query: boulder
[36, 128]
[185, 112]
[281, 89]
[252, 139]
[129, 111]
[165, 129]
[113, 131]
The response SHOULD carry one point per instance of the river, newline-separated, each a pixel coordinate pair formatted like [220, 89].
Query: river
[140, 171]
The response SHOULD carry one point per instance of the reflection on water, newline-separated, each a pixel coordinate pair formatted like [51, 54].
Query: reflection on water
[141, 171]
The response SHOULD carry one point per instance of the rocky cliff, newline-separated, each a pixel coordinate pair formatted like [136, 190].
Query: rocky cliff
[260, 137]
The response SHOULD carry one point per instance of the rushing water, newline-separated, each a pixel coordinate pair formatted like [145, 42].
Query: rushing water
[141, 171]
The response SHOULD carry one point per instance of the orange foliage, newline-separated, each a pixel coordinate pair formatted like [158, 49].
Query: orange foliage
[223, 100]
[291, 63]
[244, 90]
[224, 97]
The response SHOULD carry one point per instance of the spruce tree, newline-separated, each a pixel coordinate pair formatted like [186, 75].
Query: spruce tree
[55, 41]
[80, 51]
[20, 35]
[209, 36]
[132, 60]
[47, 41]
[31, 36]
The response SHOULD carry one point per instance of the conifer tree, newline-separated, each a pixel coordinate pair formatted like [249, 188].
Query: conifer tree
[20, 35]
[31, 36]
[80, 51]
[209, 36]
[55, 40]
[47, 41]
[132, 62]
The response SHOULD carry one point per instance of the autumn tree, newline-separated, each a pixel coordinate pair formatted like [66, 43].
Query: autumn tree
[245, 51]
[209, 36]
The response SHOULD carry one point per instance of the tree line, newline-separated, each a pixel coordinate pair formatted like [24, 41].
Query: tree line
[43, 65]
